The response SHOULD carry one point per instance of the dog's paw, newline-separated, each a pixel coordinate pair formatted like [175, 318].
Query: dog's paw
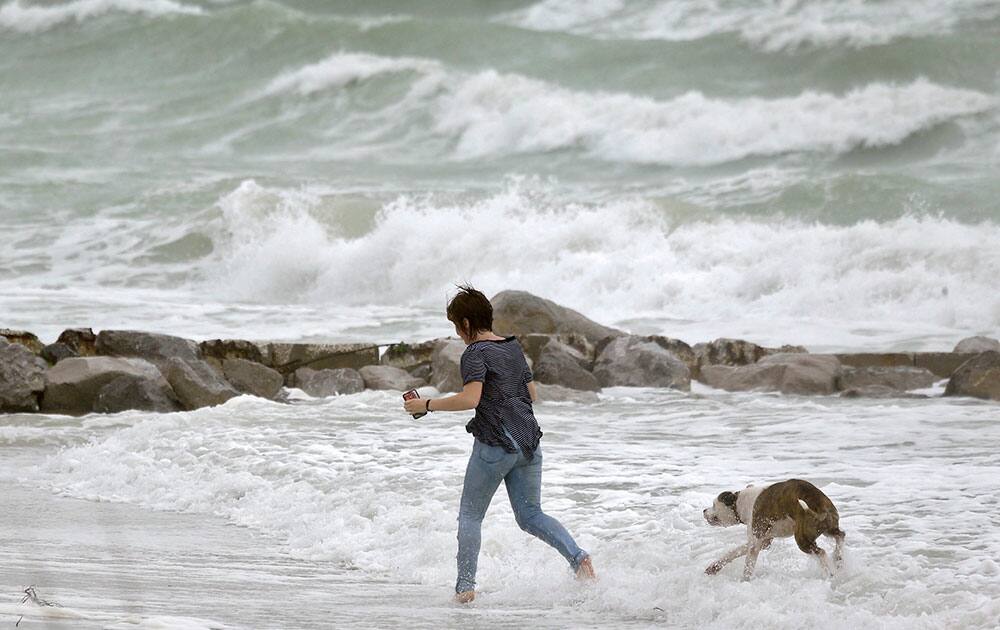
[713, 568]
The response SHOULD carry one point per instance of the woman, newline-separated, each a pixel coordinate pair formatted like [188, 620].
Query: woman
[498, 385]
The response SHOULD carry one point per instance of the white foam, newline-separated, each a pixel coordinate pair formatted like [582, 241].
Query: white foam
[18, 16]
[926, 274]
[771, 26]
[356, 483]
[496, 114]
[342, 69]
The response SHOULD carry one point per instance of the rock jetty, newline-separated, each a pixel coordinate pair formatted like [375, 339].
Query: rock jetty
[572, 357]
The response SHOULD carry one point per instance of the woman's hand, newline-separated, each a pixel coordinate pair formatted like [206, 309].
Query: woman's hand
[415, 405]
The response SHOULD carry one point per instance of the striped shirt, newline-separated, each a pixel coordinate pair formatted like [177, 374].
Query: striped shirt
[505, 406]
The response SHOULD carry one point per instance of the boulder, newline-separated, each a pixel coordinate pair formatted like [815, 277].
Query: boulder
[82, 341]
[743, 378]
[196, 383]
[679, 349]
[724, 351]
[975, 345]
[423, 372]
[874, 359]
[978, 377]
[559, 364]
[521, 313]
[806, 373]
[153, 347]
[253, 378]
[56, 352]
[635, 362]
[446, 365]
[289, 357]
[73, 384]
[330, 382]
[899, 379]
[878, 391]
[409, 356]
[23, 338]
[942, 364]
[389, 377]
[129, 391]
[22, 377]
[222, 349]
[555, 393]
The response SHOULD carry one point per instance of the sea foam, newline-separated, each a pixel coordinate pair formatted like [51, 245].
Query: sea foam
[18, 16]
[489, 113]
[771, 26]
[613, 261]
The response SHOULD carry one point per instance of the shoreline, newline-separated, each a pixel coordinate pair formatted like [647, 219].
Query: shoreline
[115, 370]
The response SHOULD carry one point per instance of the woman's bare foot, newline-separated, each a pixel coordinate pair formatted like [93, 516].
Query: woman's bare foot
[586, 570]
[465, 597]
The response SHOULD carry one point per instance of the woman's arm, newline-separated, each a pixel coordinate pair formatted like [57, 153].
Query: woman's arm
[468, 398]
[531, 391]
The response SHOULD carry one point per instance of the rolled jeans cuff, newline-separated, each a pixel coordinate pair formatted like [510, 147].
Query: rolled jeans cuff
[578, 558]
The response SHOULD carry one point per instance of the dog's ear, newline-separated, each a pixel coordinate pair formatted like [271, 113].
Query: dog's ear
[728, 499]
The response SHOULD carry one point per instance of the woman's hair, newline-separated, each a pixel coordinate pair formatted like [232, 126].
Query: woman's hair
[472, 305]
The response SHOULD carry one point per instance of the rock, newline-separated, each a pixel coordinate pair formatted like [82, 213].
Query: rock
[423, 372]
[56, 352]
[634, 362]
[806, 373]
[23, 338]
[555, 393]
[22, 377]
[874, 359]
[253, 378]
[222, 349]
[82, 341]
[898, 378]
[978, 377]
[409, 356]
[74, 383]
[136, 392]
[196, 383]
[389, 377]
[794, 373]
[679, 349]
[743, 378]
[289, 357]
[153, 347]
[446, 364]
[521, 313]
[942, 364]
[724, 351]
[559, 364]
[877, 391]
[975, 345]
[331, 382]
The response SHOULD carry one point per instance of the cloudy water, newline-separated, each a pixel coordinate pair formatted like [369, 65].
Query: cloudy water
[345, 498]
[821, 173]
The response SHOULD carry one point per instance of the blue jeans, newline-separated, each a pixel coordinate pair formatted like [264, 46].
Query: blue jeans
[488, 466]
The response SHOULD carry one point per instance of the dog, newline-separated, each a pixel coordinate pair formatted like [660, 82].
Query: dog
[789, 508]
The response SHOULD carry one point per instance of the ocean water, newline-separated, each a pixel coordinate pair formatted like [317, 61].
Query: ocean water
[822, 173]
[347, 489]
[810, 172]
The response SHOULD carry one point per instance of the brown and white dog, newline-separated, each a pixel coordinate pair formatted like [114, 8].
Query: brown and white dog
[789, 508]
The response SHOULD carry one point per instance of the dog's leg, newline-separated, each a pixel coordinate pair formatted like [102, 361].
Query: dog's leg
[716, 566]
[838, 549]
[808, 545]
[753, 549]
